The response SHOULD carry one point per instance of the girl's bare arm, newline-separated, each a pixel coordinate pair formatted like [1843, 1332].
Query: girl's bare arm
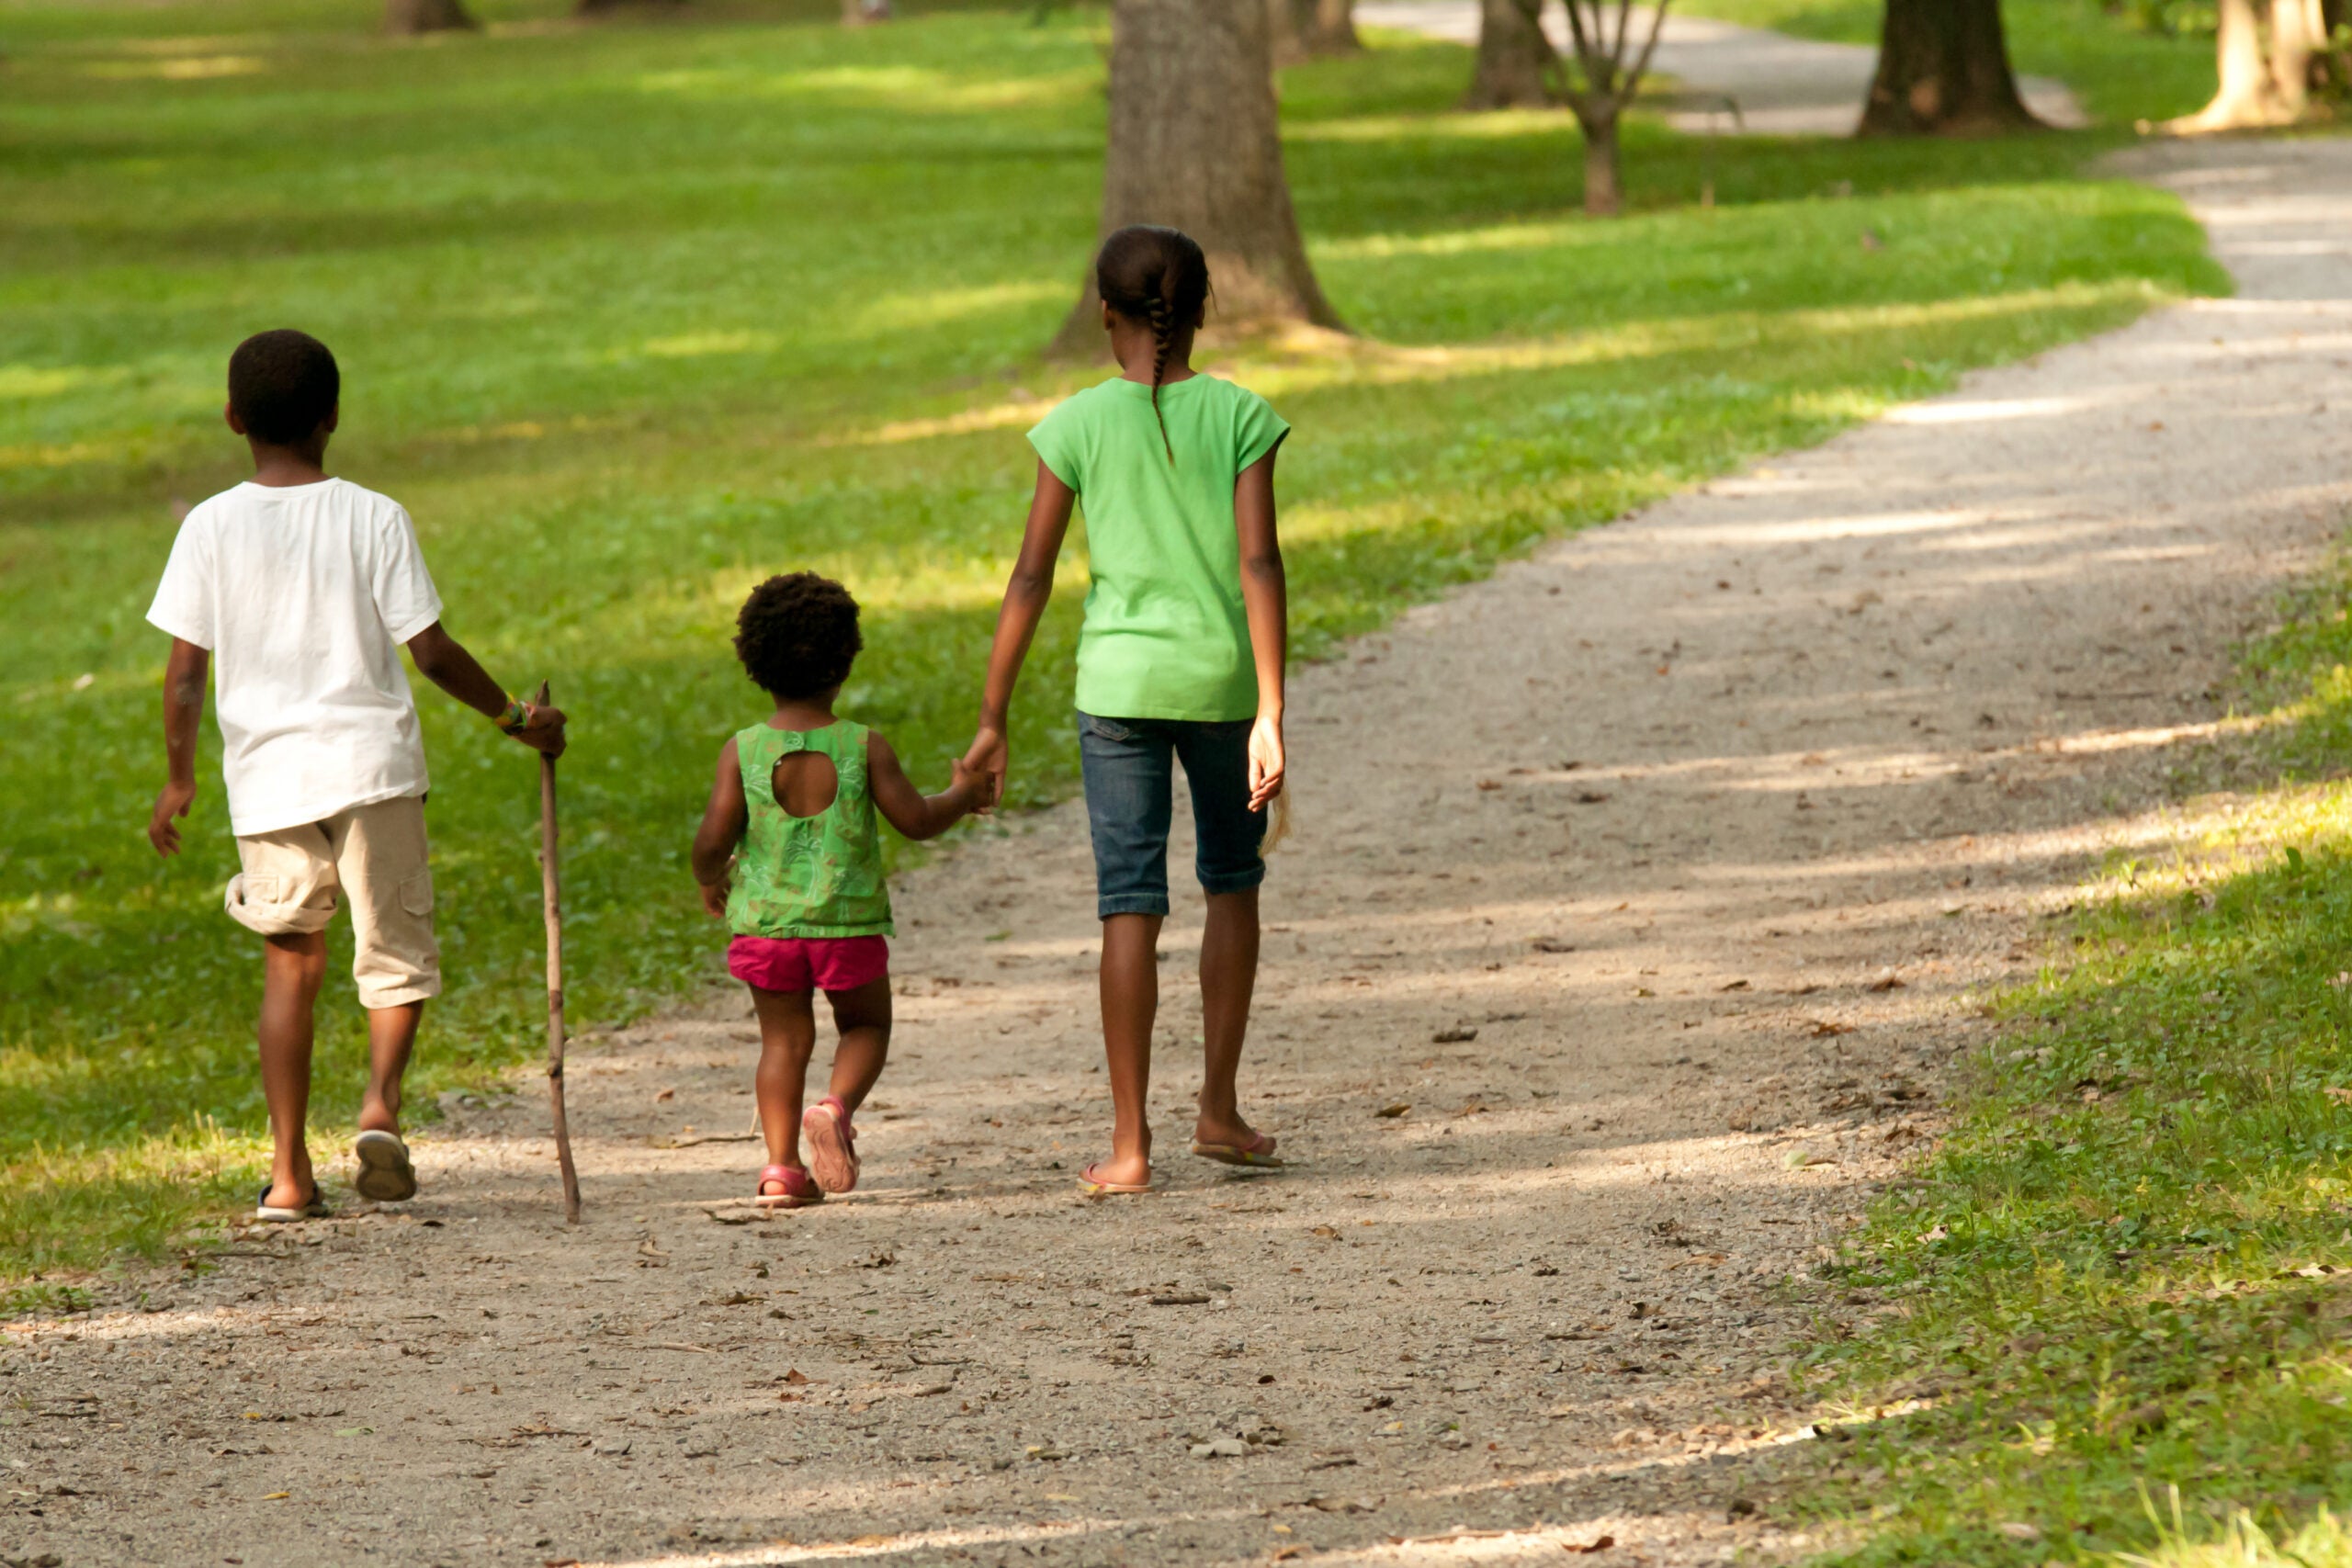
[914, 814]
[723, 822]
[1016, 626]
[1265, 599]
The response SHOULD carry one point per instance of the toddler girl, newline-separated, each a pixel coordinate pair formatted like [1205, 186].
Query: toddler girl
[1180, 659]
[787, 855]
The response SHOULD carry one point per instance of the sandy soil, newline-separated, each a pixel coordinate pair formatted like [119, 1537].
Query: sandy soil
[1628, 939]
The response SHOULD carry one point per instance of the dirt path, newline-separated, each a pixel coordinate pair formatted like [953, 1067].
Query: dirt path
[1706, 823]
[1785, 86]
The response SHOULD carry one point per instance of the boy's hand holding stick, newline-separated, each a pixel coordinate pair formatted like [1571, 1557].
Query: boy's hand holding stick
[552, 893]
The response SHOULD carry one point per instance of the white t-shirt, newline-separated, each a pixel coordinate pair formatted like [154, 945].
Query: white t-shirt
[304, 594]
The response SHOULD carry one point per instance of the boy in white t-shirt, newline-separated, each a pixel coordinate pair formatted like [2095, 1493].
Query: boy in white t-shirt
[305, 588]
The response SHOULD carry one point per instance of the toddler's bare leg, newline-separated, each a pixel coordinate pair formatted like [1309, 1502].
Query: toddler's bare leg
[1228, 978]
[863, 1017]
[292, 969]
[1130, 1007]
[391, 1035]
[787, 1035]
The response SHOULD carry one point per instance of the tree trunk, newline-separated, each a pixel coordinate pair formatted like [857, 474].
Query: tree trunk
[1195, 143]
[2297, 35]
[1330, 27]
[2248, 94]
[1513, 57]
[1943, 70]
[1604, 182]
[426, 16]
[1285, 43]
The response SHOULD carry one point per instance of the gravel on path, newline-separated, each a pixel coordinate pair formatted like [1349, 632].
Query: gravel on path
[1638, 902]
[1784, 85]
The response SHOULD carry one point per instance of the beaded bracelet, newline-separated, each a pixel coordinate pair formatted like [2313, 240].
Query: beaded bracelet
[516, 716]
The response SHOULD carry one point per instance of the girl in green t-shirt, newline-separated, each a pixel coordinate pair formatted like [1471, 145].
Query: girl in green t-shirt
[789, 857]
[1180, 660]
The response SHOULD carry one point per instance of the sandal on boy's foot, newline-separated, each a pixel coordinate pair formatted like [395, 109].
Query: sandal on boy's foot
[799, 1192]
[1258, 1154]
[385, 1174]
[832, 1145]
[269, 1213]
[1093, 1186]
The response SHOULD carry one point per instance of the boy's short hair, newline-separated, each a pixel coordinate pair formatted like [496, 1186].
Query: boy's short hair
[283, 385]
[797, 634]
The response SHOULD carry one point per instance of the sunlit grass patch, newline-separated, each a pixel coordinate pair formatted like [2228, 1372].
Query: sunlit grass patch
[2130, 1264]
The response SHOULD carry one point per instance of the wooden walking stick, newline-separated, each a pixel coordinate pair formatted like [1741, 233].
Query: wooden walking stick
[551, 896]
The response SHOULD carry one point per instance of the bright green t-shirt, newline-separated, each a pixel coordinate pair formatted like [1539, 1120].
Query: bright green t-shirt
[1165, 634]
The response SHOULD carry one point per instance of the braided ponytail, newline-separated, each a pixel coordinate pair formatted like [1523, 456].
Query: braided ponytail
[1159, 277]
[1160, 339]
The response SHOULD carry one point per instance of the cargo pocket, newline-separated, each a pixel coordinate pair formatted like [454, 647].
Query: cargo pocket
[416, 894]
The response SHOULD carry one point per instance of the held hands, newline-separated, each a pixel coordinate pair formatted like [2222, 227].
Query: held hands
[162, 831]
[971, 788]
[1266, 760]
[986, 759]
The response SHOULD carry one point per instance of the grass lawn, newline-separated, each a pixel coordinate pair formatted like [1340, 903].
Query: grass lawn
[2126, 1270]
[631, 316]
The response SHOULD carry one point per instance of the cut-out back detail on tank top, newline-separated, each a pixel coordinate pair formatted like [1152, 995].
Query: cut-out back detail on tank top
[818, 875]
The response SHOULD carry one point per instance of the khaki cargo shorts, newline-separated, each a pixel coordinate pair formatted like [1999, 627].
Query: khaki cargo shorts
[372, 855]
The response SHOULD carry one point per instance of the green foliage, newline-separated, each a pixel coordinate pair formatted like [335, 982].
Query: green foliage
[2126, 1269]
[632, 316]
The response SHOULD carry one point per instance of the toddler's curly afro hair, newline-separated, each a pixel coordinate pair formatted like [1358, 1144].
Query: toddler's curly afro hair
[797, 634]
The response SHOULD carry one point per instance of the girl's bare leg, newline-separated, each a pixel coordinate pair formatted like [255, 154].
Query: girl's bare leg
[788, 1036]
[862, 1019]
[292, 969]
[1228, 978]
[1130, 1007]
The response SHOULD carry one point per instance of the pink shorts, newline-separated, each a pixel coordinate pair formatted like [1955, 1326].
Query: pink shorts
[809, 962]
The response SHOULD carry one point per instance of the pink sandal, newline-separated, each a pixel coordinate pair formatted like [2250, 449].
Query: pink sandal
[1258, 1154]
[832, 1145]
[799, 1191]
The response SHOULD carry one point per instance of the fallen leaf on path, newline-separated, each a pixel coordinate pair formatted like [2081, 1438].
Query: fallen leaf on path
[666, 1094]
[1181, 1299]
[796, 1377]
[1457, 1036]
[1393, 1110]
[1491, 783]
[1591, 797]
[1699, 1259]
[1552, 944]
[1887, 981]
[1598, 1543]
[1823, 1028]
[1732, 986]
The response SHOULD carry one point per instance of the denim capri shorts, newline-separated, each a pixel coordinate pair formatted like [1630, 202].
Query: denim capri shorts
[1130, 780]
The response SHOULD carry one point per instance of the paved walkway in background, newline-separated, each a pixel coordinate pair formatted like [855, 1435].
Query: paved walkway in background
[1785, 86]
[1638, 902]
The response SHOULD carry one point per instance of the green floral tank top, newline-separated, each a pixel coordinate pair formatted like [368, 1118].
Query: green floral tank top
[807, 877]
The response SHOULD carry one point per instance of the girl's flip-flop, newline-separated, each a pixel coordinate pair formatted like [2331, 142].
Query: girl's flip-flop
[1258, 1154]
[832, 1145]
[799, 1192]
[269, 1214]
[385, 1174]
[1094, 1185]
